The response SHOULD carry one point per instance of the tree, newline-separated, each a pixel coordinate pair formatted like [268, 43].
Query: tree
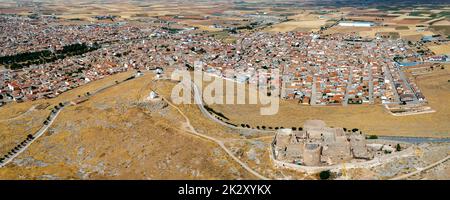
[324, 175]
[398, 147]
[372, 137]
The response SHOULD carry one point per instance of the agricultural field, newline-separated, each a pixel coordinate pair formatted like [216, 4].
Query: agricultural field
[300, 22]
[440, 49]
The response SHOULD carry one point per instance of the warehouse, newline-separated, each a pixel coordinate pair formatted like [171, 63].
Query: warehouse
[356, 24]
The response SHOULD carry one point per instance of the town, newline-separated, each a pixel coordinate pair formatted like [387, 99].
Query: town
[240, 90]
[317, 69]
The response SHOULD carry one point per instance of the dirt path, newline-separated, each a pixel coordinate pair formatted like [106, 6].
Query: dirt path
[19, 116]
[404, 176]
[189, 128]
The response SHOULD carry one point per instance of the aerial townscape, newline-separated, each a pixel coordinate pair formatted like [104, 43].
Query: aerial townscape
[87, 89]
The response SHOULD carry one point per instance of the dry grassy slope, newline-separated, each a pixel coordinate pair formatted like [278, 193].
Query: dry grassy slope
[110, 138]
[200, 123]
[241, 141]
[370, 119]
[15, 131]
[256, 153]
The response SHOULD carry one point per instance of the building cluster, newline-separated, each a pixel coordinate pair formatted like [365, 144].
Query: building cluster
[315, 69]
[319, 145]
[22, 34]
[345, 69]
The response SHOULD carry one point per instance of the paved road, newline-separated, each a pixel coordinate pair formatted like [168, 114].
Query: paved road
[415, 140]
[199, 101]
[391, 80]
[314, 92]
[349, 86]
[371, 101]
[421, 170]
[44, 128]
[38, 134]
[406, 83]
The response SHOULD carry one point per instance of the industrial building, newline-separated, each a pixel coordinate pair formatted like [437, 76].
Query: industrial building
[356, 24]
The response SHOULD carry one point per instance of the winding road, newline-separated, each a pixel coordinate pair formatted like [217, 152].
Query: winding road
[192, 130]
[36, 136]
[44, 128]
[199, 101]
[421, 170]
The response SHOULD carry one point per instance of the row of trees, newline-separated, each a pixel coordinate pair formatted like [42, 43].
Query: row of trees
[221, 117]
[21, 60]
[210, 110]
[17, 148]
[269, 127]
[54, 110]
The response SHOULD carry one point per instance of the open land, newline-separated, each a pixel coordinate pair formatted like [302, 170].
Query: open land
[111, 130]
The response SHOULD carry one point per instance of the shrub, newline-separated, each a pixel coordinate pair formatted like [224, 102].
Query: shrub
[398, 147]
[324, 175]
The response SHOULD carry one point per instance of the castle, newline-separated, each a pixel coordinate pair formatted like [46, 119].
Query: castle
[318, 145]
